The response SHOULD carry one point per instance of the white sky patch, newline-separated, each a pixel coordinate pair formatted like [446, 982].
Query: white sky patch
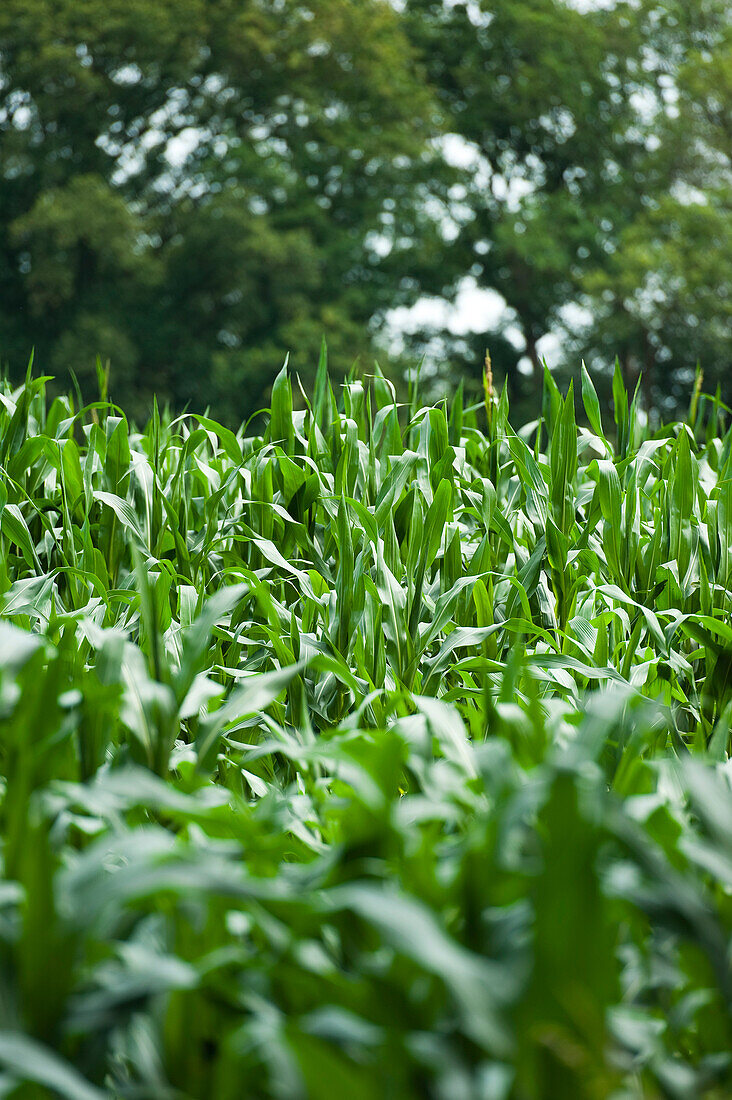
[466, 156]
[460, 153]
[479, 309]
[180, 147]
[549, 348]
[592, 5]
[474, 310]
[126, 74]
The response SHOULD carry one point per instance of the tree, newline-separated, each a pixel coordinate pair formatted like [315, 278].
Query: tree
[600, 177]
[662, 300]
[542, 95]
[194, 187]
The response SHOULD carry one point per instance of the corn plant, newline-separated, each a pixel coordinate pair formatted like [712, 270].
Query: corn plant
[383, 751]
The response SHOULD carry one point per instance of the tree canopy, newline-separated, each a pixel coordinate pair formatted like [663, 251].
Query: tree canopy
[599, 179]
[194, 188]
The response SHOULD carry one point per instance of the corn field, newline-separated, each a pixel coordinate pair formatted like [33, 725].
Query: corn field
[381, 754]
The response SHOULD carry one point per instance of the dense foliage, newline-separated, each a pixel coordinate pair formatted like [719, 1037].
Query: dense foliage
[377, 754]
[598, 175]
[191, 188]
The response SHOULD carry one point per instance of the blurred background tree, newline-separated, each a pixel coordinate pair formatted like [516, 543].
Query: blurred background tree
[597, 191]
[662, 298]
[193, 188]
[541, 94]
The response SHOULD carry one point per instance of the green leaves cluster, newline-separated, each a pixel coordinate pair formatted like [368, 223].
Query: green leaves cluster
[191, 188]
[595, 173]
[376, 752]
